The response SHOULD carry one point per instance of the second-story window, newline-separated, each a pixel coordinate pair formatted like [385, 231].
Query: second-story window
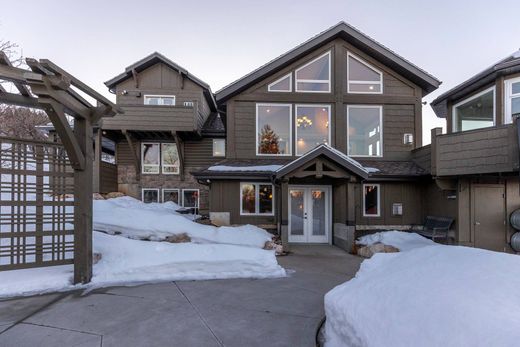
[312, 127]
[363, 78]
[159, 157]
[159, 100]
[512, 105]
[273, 129]
[219, 147]
[365, 130]
[475, 112]
[314, 77]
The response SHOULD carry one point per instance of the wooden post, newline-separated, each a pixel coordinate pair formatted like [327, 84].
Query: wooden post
[83, 204]
[97, 160]
[434, 149]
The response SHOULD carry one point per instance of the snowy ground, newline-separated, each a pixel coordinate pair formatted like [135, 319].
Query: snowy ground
[214, 253]
[427, 295]
[132, 218]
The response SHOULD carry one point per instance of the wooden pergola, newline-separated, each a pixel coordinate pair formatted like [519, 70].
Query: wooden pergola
[48, 87]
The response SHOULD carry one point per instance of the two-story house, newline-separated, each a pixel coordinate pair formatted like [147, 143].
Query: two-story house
[169, 128]
[320, 141]
[477, 161]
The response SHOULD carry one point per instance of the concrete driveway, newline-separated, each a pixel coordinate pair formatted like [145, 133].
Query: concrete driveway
[271, 312]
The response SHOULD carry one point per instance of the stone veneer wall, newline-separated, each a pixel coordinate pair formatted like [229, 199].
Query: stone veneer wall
[128, 184]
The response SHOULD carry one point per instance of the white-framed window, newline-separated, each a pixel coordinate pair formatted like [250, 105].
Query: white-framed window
[371, 200]
[363, 78]
[256, 199]
[283, 84]
[312, 126]
[170, 195]
[160, 158]
[159, 100]
[150, 157]
[475, 112]
[190, 198]
[315, 76]
[365, 130]
[273, 129]
[149, 195]
[512, 99]
[219, 147]
[170, 159]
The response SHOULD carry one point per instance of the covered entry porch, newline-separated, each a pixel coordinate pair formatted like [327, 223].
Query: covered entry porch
[317, 198]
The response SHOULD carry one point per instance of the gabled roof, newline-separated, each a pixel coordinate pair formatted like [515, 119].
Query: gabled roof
[330, 153]
[214, 125]
[505, 66]
[343, 30]
[153, 59]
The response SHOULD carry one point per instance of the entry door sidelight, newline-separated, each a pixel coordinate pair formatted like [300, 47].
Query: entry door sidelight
[309, 214]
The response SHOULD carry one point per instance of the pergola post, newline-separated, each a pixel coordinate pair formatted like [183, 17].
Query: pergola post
[48, 87]
[83, 188]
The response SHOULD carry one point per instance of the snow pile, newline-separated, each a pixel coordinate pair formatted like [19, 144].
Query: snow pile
[269, 168]
[126, 261]
[404, 241]
[134, 219]
[428, 296]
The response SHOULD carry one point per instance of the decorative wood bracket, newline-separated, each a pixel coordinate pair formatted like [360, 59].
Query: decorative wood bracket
[136, 154]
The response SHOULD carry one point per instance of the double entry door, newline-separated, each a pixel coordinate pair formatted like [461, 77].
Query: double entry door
[309, 214]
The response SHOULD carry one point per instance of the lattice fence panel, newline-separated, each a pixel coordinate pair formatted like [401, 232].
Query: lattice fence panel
[36, 205]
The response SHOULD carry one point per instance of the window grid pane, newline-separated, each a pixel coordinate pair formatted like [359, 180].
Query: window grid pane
[151, 156]
[312, 127]
[248, 198]
[371, 200]
[170, 158]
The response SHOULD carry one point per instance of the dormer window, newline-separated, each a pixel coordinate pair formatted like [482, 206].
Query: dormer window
[314, 77]
[283, 84]
[363, 78]
[159, 100]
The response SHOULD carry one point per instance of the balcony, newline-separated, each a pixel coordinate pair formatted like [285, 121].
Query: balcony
[481, 151]
[157, 118]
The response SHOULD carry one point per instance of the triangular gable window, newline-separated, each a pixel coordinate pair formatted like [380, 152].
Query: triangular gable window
[283, 84]
[362, 77]
[314, 77]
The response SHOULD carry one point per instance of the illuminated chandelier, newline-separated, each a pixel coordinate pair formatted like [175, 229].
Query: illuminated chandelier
[303, 121]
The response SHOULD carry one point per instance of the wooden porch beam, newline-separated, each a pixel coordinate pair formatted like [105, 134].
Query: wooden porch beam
[19, 100]
[131, 144]
[99, 112]
[56, 113]
[71, 105]
[5, 63]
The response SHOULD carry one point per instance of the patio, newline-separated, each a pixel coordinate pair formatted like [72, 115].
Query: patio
[274, 312]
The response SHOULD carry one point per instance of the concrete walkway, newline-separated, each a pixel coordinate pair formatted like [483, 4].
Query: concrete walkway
[271, 312]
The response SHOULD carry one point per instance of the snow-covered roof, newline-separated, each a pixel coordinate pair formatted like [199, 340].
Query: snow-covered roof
[267, 168]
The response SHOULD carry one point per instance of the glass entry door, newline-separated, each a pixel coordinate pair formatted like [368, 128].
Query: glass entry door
[309, 214]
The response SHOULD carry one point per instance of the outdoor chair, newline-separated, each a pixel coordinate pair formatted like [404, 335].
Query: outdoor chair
[436, 227]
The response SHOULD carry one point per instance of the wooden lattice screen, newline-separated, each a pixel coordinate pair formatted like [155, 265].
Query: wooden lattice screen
[36, 204]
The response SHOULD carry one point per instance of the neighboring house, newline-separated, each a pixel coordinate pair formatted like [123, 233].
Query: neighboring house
[477, 160]
[321, 140]
[170, 127]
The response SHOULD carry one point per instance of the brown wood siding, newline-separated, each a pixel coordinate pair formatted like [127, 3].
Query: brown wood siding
[407, 193]
[423, 157]
[477, 151]
[107, 178]
[198, 154]
[124, 155]
[159, 79]
[401, 101]
[225, 197]
[155, 118]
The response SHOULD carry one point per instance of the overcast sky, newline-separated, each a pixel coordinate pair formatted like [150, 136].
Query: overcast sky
[220, 41]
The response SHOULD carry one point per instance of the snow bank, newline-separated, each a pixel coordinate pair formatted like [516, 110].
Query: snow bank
[429, 296]
[126, 262]
[405, 241]
[135, 219]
